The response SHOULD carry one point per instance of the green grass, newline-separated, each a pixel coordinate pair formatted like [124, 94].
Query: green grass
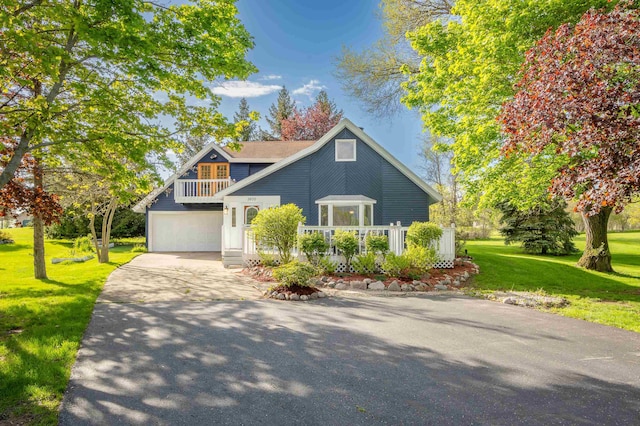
[611, 299]
[42, 323]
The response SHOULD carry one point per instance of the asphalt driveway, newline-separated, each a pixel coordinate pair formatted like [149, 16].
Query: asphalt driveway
[413, 360]
[172, 277]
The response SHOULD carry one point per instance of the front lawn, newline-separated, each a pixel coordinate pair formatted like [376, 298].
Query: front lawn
[611, 299]
[42, 323]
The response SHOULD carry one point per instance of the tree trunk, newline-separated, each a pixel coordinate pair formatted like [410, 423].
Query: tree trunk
[107, 220]
[39, 265]
[596, 255]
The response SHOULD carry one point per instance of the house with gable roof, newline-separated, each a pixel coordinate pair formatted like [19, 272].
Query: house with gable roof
[344, 179]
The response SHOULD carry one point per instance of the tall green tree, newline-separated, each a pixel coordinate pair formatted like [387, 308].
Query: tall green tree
[90, 84]
[374, 75]
[244, 117]
[469, 64]
[282, 109]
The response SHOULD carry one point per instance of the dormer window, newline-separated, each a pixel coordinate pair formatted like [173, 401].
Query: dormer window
[345, 150]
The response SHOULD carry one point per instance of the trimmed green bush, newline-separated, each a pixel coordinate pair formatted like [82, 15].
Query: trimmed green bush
[365, 264]
[398, 266]
[314, 246]
[421, 258]
[295, 273]
[423, 234]
[347, 243]
[267, 259]
[83, 245]
[277, 227]
[377, 244]
[139, 248]
[326, 266]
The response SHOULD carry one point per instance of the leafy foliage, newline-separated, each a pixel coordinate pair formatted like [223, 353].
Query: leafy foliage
[377, 244]
[327, 266]
[295, 273]
[246, 120]
[83, 245]
[313, 245]
[421, 258]
[398, 266]
[365, 263]
[423, 234]
[313, 122]
[347, 243]
[74, 223]
[546, 229]
[277, 227]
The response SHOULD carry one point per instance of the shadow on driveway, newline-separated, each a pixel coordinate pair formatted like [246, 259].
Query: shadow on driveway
[434, 360]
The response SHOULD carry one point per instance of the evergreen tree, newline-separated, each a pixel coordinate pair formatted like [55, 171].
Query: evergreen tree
[544, 229]
[244, 114]
[281, 110]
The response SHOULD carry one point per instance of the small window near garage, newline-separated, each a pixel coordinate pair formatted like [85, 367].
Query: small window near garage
[345, 150]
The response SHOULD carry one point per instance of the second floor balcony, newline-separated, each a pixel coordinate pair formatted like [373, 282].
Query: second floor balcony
[199, 190]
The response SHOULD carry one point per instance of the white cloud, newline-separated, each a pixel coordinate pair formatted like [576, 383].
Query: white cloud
[244, 89]
[271, 77]
[309, 89]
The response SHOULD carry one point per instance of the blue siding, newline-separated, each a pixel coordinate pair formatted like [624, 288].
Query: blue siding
[240, 171]
[319, 175]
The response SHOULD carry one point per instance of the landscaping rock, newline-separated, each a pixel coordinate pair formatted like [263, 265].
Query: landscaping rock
[466, 275]
[313, 296]
[304, 298]
[416, 282]
[377, 285]
[295, 296]
[358, 285]
[510, 301]
[281, 296]
[441, 287]
[340, 280]
[274, 294]
[406, 287]
[325, 279]
[456, 283]
[446, 281]
[421, 287]
[341, 286]
[321, 294]
[331, 284]
[394, 286]
[368, 281]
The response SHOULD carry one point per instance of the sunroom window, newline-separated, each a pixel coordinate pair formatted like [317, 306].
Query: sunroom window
[345, 210]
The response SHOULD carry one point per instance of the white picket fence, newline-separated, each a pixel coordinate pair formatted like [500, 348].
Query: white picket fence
[396, 234]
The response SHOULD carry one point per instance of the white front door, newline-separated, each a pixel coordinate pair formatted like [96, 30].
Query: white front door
[185, 231]
[240, 211]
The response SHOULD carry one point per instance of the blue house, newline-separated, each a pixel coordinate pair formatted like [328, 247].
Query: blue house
[345, 179]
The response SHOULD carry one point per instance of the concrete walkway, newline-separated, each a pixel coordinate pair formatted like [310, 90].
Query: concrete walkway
[177, 277]
[441, 359]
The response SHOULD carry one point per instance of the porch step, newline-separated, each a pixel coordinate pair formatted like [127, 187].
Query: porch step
[232, 258]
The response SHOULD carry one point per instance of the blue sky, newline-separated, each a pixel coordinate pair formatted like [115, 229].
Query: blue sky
[296, 45]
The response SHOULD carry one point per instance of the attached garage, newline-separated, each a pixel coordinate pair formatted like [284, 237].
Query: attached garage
[185, 231]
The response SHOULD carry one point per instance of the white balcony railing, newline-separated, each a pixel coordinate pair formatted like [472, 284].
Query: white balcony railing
[199, 190]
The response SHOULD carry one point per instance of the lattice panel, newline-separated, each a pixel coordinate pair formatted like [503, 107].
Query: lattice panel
[251, 262]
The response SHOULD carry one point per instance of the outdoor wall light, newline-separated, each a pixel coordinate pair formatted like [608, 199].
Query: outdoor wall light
[226, 210]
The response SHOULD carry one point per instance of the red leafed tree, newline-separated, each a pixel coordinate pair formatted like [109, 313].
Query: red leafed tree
[579, 97]
[313, 122]
[25, 192]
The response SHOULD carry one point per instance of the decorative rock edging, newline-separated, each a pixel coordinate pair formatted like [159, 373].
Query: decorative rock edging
[72, 259]
[272, 294]
[523, 298]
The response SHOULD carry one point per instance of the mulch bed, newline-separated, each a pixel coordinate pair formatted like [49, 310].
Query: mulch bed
[300, 291]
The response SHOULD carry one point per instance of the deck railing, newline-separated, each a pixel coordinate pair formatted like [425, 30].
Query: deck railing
[199, 190]
[396, 234]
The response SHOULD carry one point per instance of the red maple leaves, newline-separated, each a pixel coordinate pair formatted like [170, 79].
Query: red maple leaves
[580, 95]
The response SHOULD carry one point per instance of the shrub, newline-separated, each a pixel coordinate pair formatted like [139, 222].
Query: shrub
[5, 238]
[277, 227]
[83, 245]
[326, 266]
[365, 263]
[423, 234]
[421, 258]
[397, 266]
[314, 246]
[267, 259]
[347, 243]
[139, 248]
[377, 244]
[294, 273]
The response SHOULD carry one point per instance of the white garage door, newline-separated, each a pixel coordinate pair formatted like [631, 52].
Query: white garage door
[189, 231]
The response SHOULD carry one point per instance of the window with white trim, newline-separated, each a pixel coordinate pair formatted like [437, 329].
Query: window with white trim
[345, 213]
[345, 150]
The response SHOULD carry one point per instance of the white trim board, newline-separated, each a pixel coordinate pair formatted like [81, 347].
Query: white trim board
[330, 135]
